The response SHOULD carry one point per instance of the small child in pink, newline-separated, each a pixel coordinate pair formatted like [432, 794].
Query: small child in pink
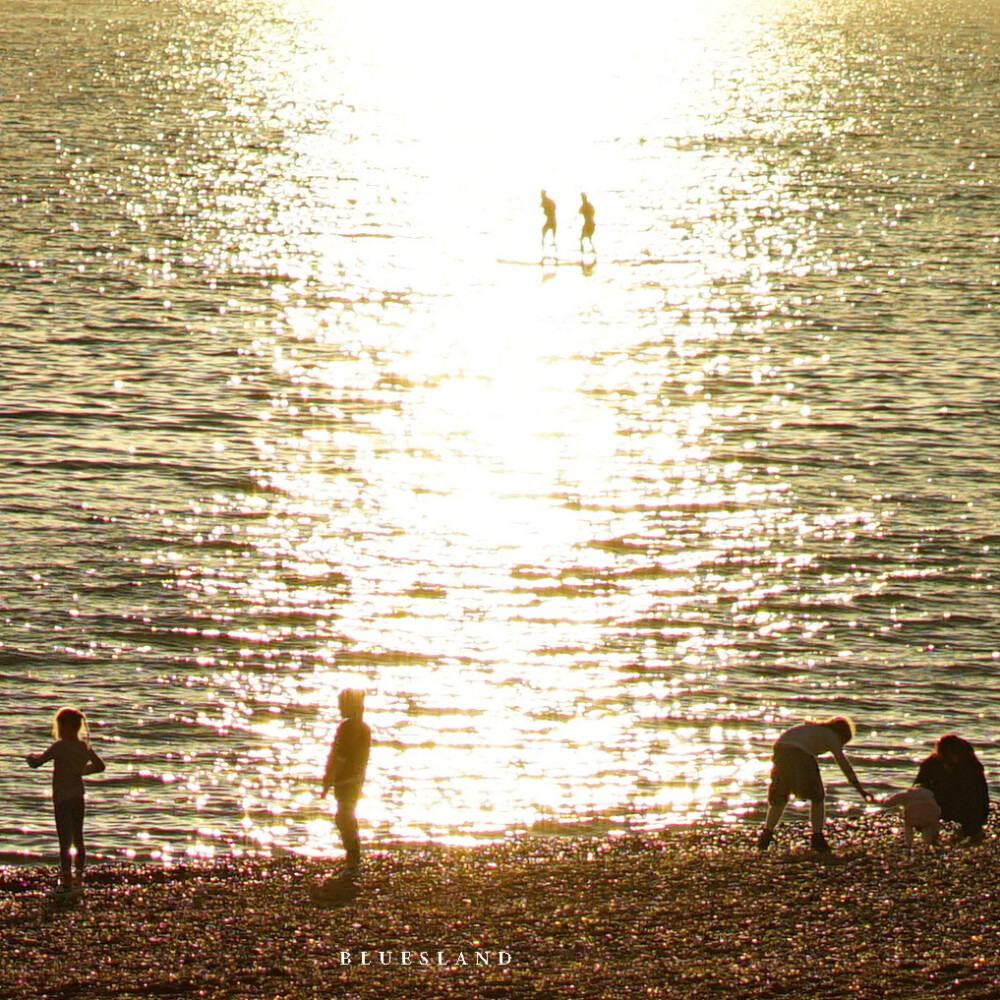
[920, 812]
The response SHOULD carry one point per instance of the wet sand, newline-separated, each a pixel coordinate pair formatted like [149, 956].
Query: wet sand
[687, 913]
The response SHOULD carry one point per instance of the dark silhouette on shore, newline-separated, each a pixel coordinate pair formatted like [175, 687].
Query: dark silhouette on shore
[955, 775]
[795, 771]
[345, 774]
[73, 759]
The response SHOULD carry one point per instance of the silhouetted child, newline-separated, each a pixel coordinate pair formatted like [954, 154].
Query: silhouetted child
[795, 771]
[956, 777]
[72, 758]
[587, 211]
[549, 208]
[345, 771]
[921, 813]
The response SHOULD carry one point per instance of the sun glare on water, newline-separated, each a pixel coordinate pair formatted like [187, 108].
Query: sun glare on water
[461, 452]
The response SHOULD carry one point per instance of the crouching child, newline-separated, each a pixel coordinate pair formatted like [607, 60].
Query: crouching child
[921, 814]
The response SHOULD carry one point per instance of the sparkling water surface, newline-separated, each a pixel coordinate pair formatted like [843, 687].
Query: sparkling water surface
[291, 404]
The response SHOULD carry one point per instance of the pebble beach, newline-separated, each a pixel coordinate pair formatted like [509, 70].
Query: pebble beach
[693, 913]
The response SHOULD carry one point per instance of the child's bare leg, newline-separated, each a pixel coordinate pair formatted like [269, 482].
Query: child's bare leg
[775, 810]
[81, 850]
[80, 861]
[64, 830]
[817, 814]
[347, 826]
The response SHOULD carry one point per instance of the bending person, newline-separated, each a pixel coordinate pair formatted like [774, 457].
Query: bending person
[795, 771]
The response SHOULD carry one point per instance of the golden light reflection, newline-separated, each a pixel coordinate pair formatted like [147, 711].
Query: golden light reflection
[490, 494]
[520, 506]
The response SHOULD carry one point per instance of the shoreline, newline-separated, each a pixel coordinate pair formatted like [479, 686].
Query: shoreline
[690, 912]
[232, 852]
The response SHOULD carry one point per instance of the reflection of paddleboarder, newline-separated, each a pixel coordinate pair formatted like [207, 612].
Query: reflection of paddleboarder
[587, 233]
[549, 208]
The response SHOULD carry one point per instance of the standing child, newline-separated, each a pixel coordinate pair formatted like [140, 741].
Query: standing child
[72, 758]
[920, 812]
[795, 771]
[345, 772]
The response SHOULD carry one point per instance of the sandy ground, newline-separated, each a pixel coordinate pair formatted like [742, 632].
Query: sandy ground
[691, 913]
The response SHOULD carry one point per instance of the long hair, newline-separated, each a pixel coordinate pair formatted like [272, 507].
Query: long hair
[954, 746]
[70, 724]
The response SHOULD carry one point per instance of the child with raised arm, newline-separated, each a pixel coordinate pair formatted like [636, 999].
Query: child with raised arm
[72, 757]
[795, 771]
[345, 772]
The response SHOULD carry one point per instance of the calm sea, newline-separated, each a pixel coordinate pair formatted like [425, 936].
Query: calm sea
[291, 403]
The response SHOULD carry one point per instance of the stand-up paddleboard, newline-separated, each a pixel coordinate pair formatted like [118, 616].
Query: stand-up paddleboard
[588, 260]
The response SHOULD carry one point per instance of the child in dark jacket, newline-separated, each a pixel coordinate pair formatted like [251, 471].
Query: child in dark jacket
[345, 771]
[956, 777]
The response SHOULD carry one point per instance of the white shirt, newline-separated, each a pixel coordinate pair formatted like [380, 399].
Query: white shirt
[919, 806]
[815, 739]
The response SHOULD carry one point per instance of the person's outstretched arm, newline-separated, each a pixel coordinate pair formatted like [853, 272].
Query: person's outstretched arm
[899, 799]
[37, 759]
[845, 766]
